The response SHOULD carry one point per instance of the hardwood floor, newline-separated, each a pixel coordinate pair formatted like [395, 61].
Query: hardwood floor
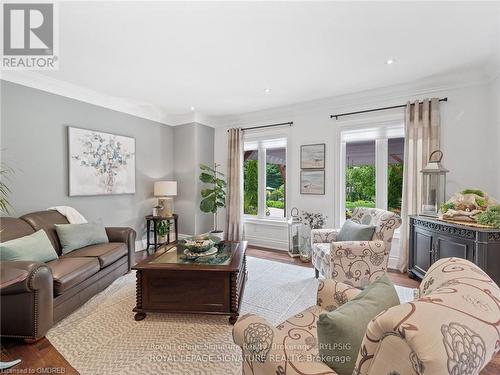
[43, 355]
[34, 357]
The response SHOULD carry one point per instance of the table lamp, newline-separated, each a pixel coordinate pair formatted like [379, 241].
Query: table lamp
[164, 190]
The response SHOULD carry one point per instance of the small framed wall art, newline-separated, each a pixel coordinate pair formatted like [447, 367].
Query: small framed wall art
[312, 182]
[312, 156]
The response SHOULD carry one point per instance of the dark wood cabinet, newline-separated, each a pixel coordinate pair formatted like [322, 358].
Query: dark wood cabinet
[432, 239]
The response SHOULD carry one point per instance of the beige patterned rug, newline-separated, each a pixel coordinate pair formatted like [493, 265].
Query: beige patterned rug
[102, 336]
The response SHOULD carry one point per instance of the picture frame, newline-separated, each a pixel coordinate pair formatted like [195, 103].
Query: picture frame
[100, 163]
[313, 156]
[312, 181]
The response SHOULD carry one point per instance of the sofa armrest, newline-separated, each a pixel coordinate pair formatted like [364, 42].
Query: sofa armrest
[323, 235]
[332, 294]
[351, 249]
[266, 351]
[27, 305]
[243, 323]
[445, 334]
[38, 275]
[125, 235]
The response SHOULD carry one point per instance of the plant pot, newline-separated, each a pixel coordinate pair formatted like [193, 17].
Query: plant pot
[218, 233]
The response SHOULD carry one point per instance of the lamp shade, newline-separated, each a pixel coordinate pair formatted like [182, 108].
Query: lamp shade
[165, 188]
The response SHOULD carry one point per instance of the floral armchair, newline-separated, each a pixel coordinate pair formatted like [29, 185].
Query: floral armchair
[451, 329]
[355, 263]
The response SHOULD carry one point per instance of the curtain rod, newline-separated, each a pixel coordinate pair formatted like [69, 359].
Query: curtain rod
[290, 123]
[376, 109]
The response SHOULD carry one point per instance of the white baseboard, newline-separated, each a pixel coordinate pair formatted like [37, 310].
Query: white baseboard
[271, 243]
[393, 263]
[140, 245]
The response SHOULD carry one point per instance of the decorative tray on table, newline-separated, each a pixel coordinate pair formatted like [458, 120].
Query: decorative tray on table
[200, 246]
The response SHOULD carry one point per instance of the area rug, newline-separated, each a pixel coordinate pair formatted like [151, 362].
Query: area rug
[102, 336]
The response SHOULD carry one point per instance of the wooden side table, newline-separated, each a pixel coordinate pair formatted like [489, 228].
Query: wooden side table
[151, 225]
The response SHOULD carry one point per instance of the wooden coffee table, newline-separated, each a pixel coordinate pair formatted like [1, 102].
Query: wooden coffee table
[168, 282]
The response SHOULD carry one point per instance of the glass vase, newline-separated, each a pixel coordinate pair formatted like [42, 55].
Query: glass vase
[305, 244]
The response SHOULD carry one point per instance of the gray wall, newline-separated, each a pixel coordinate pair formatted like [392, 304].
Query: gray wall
[193, 144]
[34, 144]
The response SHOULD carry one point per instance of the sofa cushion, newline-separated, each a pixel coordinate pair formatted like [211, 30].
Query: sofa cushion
[68, 272]
[46, 220]
[35, 246]
[341, 331]
[76, 236]
[352, 231]
[106, 253]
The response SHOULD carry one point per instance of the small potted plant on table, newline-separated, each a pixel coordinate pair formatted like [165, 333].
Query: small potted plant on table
[162, 230]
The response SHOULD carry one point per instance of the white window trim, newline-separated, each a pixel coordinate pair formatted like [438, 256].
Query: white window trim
[261, 217]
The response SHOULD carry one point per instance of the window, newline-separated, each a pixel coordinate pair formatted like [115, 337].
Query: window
[264, 178]
[373, 167]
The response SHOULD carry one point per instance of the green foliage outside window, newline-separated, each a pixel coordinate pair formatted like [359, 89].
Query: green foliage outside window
[250, 187]
[275, 194]
[360, 187]
[275, 204]
[395, 187]
[360, 182]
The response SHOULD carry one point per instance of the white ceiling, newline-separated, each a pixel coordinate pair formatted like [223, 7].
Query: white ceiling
[219, 57]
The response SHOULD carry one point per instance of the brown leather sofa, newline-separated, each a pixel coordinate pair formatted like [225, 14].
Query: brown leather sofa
[51, 291]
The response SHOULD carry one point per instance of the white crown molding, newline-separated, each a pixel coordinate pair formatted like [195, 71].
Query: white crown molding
[384, 96]
[391, 95]
[132, 107]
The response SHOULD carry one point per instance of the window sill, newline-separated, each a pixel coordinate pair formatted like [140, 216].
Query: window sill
[268, 222]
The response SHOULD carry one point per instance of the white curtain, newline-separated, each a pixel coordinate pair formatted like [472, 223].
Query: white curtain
[234, 205]
[422, 137]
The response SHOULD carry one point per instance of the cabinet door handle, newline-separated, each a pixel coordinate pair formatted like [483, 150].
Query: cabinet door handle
[433, 253]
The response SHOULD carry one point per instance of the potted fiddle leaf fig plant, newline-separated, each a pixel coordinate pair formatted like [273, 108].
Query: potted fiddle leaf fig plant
[214, 196]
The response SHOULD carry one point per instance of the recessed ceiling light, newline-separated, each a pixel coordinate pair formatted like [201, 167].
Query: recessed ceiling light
[390, 61]
[191, 108]
[267, 91]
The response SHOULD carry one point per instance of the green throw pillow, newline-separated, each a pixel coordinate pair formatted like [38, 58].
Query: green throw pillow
[352, 231]
[76, 236]
[36, 246]
[341, 331]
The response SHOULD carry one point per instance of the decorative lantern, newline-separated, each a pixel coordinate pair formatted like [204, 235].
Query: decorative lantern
[294, 226]
[305, 244]
[433, 184]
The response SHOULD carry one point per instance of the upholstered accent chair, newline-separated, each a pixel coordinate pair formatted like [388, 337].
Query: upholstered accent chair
[452, 328]
[355, 263]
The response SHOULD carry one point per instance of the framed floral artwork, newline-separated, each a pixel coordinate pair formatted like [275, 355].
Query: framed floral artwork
[100, 163]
